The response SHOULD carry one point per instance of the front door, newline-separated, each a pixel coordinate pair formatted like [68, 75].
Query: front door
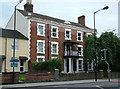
[22, 66]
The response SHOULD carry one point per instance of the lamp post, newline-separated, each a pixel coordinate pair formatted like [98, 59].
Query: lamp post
[14, 37]
[105, 8]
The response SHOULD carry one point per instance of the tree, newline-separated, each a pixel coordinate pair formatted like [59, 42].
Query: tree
[106, 41]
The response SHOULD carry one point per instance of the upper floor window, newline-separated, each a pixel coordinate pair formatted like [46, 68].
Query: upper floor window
[54, 32]
[41, 29]
[16, 45]
[68, 34]
[79, 36]
[40, 46]
[89, 34]
[40, 58]
[80, 50]
[54, 47]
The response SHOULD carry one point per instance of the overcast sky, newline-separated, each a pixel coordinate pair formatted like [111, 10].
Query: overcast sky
[69, 10]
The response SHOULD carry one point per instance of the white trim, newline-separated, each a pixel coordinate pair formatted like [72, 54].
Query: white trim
[54, 57]
[56, 32]
[69, 34]
[43, 41]
[29, 23]
[43, 29]
[81, 36]
[40, 57]
[61, 25]
[81, 49]
[56, 49]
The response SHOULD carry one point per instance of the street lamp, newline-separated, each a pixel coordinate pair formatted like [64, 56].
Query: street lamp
[14, 36]
[105, 8]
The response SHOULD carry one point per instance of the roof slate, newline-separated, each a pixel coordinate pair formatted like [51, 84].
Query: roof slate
[25, 13]
[10, 34]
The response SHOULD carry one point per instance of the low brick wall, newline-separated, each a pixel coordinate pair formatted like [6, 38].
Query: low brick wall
[37, 77]
[7, 78]
[79, 76]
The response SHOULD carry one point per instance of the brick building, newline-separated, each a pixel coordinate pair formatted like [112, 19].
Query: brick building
[51, 37]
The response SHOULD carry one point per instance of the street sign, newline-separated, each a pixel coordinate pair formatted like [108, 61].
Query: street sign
[14, 60]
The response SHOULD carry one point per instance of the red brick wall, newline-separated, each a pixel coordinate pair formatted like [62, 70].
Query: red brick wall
[7, 78]
[61, 39]
[37, 77]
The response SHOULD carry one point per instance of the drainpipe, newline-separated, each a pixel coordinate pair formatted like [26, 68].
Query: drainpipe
[48, 41]
[5, 52]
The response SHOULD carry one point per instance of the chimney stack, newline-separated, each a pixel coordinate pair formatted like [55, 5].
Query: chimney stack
[28, 6]
[81, 20]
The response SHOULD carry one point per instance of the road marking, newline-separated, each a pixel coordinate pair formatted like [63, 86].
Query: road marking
[99, 87]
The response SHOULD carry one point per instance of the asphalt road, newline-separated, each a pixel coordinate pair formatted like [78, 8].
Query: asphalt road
[102, 85]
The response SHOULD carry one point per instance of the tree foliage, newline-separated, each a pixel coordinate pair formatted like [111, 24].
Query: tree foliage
[106, 41]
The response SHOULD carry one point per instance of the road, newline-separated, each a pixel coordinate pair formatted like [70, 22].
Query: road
[102, 85]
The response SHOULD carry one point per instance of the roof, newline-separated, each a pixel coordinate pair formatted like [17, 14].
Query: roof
[10, 34]
[36, 15]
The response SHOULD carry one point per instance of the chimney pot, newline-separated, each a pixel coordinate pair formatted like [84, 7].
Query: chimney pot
[81, 20]
[28, 6]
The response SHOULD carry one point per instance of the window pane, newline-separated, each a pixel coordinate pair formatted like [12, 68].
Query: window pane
[16, 45]
[40, 29]
[79, 36]
[40, 59]
[67, 34]
[40, 46]
[54, 32]
[54, 48]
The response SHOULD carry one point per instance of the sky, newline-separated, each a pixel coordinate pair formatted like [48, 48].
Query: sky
[70, 10]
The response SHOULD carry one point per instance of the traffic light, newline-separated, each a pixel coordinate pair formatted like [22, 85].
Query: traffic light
[102, 54]
[107, 54]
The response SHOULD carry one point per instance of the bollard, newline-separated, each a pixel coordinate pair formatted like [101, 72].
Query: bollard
[57, 74]
[101, 74]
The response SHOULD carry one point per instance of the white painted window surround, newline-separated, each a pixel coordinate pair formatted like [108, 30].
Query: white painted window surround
[41, 46]
[40, 29]
[54, 32]
[79, 36]
[67, 34]
[40, 58]
[80, 48]
[54, 48]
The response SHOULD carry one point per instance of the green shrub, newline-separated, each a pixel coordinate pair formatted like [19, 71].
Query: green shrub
[102, 65]
[49, 65]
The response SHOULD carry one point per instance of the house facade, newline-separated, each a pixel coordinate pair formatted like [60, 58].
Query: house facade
[6, 52]
[50, 37]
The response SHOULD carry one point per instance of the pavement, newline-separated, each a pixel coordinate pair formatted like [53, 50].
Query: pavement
[23, 85]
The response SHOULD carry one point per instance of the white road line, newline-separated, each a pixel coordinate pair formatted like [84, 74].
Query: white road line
[99, 87]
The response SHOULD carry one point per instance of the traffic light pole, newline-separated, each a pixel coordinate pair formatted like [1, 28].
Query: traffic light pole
[105, 51]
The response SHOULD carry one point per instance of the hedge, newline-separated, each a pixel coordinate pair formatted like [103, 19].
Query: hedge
[49, 65]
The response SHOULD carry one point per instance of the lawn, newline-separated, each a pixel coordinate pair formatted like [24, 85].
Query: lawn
[22, 77]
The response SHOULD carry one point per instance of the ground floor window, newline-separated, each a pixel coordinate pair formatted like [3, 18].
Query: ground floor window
[90, 65]
[15, 65]
[40, 58]
[80, 64]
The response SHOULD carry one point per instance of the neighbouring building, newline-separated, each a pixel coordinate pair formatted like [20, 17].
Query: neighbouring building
[6, 51]
[50, 37]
